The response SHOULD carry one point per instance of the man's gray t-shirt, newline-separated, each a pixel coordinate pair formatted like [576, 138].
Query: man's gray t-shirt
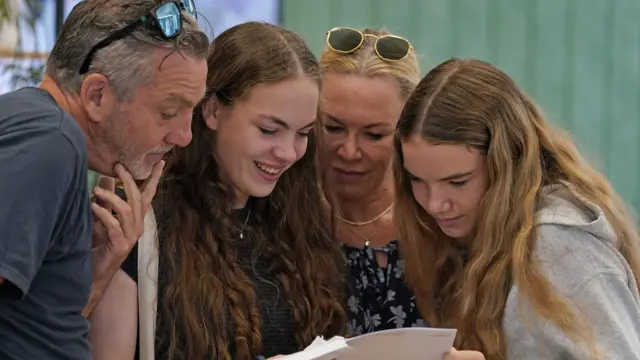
[45, 230]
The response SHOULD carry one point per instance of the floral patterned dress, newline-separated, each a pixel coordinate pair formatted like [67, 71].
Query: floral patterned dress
[379, 297]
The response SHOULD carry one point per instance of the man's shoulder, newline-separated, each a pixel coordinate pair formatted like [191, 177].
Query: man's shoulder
[42, 148]
[30, 115]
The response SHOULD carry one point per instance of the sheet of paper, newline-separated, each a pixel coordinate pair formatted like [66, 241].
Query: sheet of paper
[320, 349]
[396, 344]
[401, 344]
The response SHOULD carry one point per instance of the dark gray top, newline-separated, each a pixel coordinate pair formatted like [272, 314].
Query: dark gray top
[45, 230]
[278, 325]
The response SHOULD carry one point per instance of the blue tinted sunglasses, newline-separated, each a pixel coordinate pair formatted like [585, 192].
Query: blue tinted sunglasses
[166, 17]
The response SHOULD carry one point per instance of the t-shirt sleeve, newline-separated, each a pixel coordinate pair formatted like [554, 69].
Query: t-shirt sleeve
[38, 172]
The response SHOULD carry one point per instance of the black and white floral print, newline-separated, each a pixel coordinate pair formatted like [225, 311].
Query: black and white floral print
[379, 297]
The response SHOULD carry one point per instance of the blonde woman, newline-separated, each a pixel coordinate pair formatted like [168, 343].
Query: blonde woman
[366, 80]
[507, 233]
[367, 76]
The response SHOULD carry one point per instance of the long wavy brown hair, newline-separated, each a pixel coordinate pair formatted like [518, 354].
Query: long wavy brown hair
[209, 302]
[470, 102]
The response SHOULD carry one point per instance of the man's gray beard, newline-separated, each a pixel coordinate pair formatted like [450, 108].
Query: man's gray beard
[117, 144]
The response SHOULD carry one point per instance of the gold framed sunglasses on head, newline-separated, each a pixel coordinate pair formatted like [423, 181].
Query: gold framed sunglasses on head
[346, 40]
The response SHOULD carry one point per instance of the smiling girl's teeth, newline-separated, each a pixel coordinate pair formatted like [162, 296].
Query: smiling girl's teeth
[270, 170]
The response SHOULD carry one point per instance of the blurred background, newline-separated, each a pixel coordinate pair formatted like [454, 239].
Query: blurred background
[580, 59]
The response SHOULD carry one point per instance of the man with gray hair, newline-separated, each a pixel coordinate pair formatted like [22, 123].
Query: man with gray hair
[120, 86]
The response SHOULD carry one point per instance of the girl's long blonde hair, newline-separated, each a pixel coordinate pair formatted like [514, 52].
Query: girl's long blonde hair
[470, 102]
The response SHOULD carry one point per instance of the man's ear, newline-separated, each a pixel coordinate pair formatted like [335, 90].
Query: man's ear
[97, 97]
[211, 111]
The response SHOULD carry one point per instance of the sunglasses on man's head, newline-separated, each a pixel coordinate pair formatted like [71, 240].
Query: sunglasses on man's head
[388, 47]
[166, 17]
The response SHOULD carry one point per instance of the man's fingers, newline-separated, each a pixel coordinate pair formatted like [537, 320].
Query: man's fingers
[131, 191]
[113, 229]
[113, 202]
[98, 233]
[107, 183]
[105, 217]
[150, 185]
[125, 215]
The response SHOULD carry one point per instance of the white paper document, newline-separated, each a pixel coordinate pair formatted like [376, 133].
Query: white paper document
[396, 344]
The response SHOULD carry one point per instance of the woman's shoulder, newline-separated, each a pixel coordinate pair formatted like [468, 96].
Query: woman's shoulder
[573, 232]
[571, 258]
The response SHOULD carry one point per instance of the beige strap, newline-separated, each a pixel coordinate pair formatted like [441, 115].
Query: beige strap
[148, 286]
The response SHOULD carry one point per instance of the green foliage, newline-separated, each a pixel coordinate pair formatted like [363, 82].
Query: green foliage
[24, 72]
[24, 75]
[5, 11]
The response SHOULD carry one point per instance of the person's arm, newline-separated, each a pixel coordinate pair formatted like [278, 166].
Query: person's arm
[114, 320]
[37, 177]
[106, 264]
[612, 313]
[593, 278]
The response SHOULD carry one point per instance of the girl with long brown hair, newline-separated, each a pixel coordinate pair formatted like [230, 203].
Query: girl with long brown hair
[507, 233]
[247, 266]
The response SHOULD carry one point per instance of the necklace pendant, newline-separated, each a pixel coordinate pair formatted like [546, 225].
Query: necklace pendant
[241, 235]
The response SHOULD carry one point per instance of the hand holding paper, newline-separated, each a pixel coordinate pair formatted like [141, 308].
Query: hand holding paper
[464, 355]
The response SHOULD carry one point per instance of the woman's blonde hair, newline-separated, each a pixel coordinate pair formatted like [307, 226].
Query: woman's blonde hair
[470, 102]
[365, 61]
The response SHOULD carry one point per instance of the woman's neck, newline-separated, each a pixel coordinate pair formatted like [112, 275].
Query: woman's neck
[366, 209]
[240, 203]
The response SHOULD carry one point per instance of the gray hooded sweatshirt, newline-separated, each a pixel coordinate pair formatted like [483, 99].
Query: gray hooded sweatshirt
[576, 252]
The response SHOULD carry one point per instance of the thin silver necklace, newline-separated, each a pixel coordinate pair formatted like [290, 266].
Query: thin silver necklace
[245, 224]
